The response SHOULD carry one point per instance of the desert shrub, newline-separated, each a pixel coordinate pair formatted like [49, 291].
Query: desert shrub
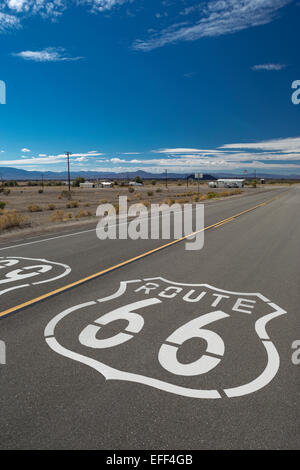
[153, 182]
[103, 201]
[117, 208]
[10, 219]
[51, 207]
[146, 203]
[34, 208]
[150, 193]
[40, 191]
[183, 200]
[83, 213]
[86, 204]
[131, 189]
[6, 192]
[66, 195]
[212, 195]
[159, 190]
[2, 204]
[72, 205]
[58, 216]
[168, 202]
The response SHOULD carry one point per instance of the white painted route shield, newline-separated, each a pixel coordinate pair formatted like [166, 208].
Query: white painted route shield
[18, 272]
[193, 340]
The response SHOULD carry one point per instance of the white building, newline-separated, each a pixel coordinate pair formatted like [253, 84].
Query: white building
[87, 185]
[103, 184]
[227, 183]
[134, 183]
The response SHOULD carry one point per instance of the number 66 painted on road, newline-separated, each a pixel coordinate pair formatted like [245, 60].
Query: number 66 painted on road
[167, 355]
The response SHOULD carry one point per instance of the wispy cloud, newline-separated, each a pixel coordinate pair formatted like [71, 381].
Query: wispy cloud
[289, 145]
[50, 54]
[103, 5]
[8, 22]
[25, 150]
[269, 67]
[215, 18]
[13, 12]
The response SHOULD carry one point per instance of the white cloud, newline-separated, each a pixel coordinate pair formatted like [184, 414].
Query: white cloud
[103, 5]
[25, 150]
[50, 54]
[269, 67]
[18, 5]
[216, 18]
[8, 22]
[18, 9]
[46, 8]
[117, 160]
[177, 150]
[288, 145]
[131, 153]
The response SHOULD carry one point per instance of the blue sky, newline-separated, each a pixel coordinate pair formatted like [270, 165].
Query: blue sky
[124, 85]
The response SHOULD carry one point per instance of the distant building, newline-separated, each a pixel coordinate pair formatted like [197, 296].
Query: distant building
[87, 185]
[227, 183]
[102, 184]
[134, 183]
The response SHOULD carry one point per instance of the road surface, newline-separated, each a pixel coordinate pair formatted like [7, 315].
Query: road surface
[175, 350]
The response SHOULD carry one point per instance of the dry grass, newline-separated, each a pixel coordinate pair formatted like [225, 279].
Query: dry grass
[58, 216]
[83, 213]
[34, 208]
[72, 205]
[25, 199]
[10, 219]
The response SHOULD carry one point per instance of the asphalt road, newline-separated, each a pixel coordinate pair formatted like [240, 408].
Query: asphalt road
[194, 354]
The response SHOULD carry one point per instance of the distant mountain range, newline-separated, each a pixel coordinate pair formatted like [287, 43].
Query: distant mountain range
[7, 173]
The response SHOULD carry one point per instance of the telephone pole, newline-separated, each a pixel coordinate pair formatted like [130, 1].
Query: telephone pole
[69, 180]
[166, 178]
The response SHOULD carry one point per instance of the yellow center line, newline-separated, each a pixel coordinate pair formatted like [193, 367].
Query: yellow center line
[125, 263]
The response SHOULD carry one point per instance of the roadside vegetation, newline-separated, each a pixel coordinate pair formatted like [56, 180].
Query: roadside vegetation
[10, 219]
[41, 204]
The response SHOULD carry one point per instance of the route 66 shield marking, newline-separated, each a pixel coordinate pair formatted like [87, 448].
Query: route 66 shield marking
[193, 340]
[17, 272]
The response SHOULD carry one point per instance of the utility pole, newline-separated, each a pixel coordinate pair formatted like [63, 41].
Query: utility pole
[166, 178]
[69, 180]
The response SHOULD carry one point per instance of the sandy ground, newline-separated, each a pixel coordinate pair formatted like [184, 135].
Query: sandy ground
[87, 201]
